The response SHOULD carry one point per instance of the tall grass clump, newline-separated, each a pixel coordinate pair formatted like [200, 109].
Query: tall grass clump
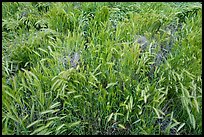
[105, 68]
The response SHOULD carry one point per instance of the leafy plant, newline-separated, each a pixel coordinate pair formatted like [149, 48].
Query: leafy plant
[101, 68]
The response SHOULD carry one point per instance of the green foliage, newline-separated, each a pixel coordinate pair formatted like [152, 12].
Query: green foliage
[79, 68]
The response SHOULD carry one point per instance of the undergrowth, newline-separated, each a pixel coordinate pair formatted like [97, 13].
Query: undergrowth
[80, 68]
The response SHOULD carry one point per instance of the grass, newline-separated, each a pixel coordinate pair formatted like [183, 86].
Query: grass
[78, 68]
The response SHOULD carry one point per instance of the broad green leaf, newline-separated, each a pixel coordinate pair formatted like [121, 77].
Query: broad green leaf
[33, 123]
[61, 126]
[56, 85]
[74, 124]
[36, 53]
[38, 130]
[111, 84]
[43, 50]
[192, 120]
[136, 121]
[127, 116]
[77, 96]
[25, 118]
[93, 84]
[109, 118]
[32, 112]
[157, 112]
[161, 112]
[49, 111]
[131, 102]
[179, 128]
[145, 98]
[55, 105]
[195, 102]
[70, 92]
[121, 126]
[50, 49]
[51, 118]
[96, 69]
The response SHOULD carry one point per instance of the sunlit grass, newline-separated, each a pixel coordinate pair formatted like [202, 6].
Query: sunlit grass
[101, 68]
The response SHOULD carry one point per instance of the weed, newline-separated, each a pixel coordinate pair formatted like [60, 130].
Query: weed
[101, 68]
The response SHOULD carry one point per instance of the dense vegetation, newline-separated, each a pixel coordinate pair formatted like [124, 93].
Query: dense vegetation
[101, 68]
